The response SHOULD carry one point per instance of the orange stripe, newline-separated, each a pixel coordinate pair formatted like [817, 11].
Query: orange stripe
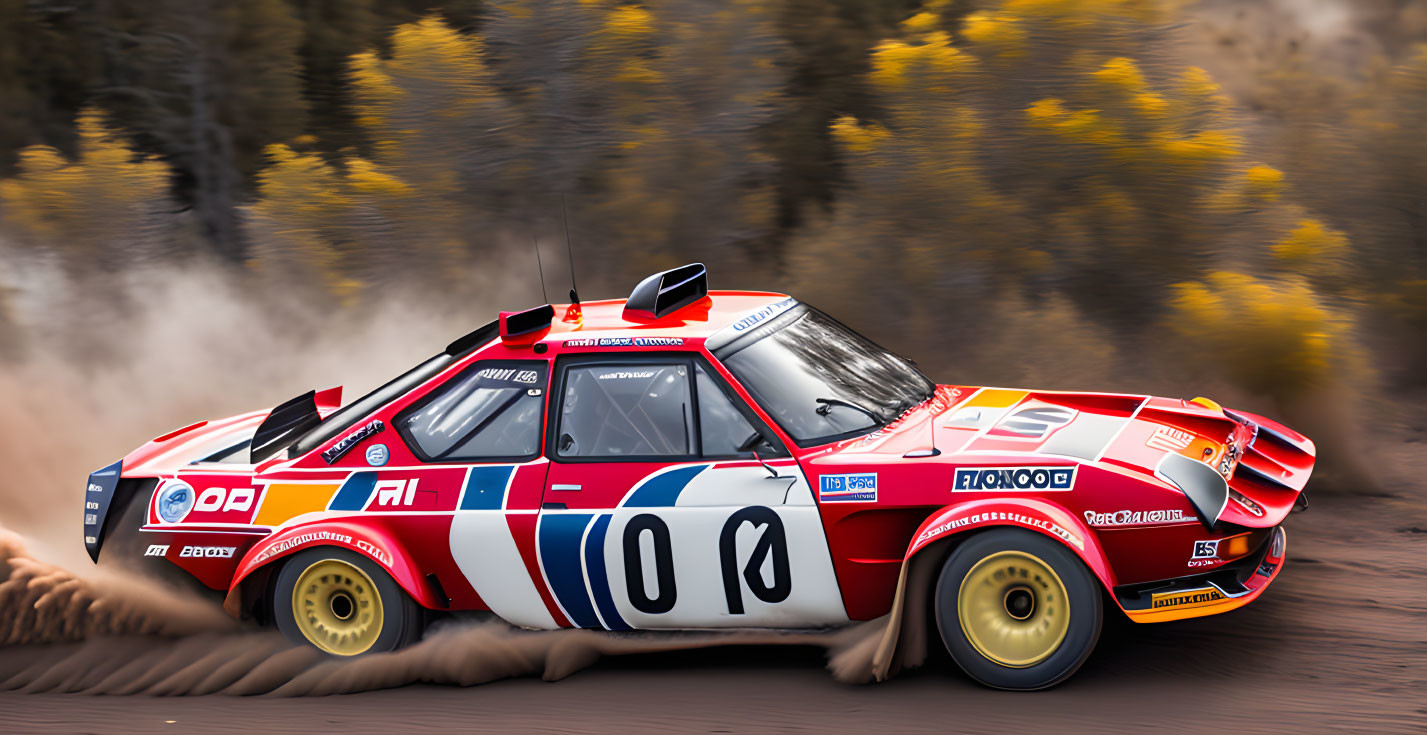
[283, 502]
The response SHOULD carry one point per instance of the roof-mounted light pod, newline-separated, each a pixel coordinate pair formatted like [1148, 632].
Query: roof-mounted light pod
[665, 293]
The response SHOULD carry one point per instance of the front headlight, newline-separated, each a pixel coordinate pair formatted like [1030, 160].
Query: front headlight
[175, 500]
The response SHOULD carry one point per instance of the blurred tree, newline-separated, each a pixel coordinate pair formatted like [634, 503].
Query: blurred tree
[45, 65]
[1274, 339]
[206, 85]
[828, 61]
[438, 127]
[106, 209]
[1050, 147]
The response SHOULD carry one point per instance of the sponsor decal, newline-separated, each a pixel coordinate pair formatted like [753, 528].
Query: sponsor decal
[628, 374]
[207, 552]
[1206, 549]
[222, 499]
[510, 375]
[378, 455]
[1136, 517]
[95, 488]
[91, 505]
[1034, 422]
[174, 502]
[1193, 563]
[855, 488]
[345, 444]
[972, 479]
[1191, 598]
[299, 540]
[157, 550]
[626, 342]
[1001, 517]
[763, 315]
[91, 519]
[396, 492]
[377, 552]
[91, 539]
[1169, 440]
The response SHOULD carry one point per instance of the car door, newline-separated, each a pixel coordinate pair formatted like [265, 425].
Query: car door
[486, 425]
[656, 512]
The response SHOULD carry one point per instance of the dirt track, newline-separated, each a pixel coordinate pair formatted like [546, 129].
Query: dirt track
[1339, 643]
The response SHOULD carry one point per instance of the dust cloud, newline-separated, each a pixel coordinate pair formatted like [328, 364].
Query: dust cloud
[123, 634]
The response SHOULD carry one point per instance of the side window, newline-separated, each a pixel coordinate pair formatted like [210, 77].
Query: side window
[626, 411]
[491, 410]
[722, 428]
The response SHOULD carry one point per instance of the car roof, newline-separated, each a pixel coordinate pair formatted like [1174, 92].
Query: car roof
[698, 320]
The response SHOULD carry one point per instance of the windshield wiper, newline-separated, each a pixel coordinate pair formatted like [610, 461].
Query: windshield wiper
[828, 403]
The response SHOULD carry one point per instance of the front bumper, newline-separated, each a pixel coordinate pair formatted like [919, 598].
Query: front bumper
[1227, 588]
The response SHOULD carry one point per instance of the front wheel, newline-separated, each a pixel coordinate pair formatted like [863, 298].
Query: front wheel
[343, 603]
[1017, 610]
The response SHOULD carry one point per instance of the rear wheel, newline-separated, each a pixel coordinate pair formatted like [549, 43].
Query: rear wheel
[1017, 610]
[344, 604]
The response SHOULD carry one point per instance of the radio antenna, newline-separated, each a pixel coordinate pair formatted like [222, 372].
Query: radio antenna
[540, 267]
[570, 251]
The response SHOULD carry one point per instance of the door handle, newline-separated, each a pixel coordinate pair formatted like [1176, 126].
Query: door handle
[563, 488]
[552, 506]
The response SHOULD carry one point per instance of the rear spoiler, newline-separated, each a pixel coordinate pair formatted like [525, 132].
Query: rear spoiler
[289, 421]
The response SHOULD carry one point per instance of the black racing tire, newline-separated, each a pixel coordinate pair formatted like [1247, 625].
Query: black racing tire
[1017, 610]
[379, 615]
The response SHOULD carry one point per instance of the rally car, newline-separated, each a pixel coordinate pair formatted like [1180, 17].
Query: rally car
[695, 459]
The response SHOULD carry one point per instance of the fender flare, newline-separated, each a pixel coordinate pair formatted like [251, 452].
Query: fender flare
[1045, 518]
[373, 543]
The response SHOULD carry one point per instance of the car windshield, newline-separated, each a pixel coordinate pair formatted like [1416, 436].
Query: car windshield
[822, 381]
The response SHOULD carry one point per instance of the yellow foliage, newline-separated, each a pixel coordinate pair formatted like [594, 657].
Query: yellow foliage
[856, 137]
[1195, 82]
[1122, 74]
[999, 32]
[1272, 337]
[1209, 145]
[1080, 126]
[922, 22]
[1312, 248]
[106, 191]
[1264, 182]
[895, 63]
[629, 21]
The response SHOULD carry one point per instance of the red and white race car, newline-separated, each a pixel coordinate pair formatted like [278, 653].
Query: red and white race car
[687, 459]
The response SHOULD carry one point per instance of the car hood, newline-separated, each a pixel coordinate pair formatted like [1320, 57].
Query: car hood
[1262, 460]
[211, 439]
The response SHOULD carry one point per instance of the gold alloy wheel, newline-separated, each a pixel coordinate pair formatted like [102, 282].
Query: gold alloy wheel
[1013, 609]
[337, 607]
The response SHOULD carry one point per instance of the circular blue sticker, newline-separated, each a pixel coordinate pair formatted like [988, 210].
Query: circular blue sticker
[377, 455]
[175, 500]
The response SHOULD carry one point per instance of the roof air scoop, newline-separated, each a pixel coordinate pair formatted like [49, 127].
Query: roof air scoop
[665, 293]
[525, 327]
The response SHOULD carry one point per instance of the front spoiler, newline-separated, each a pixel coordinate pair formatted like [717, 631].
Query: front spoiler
[1227, 588]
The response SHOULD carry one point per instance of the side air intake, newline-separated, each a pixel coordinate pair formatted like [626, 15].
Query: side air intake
[665, 293]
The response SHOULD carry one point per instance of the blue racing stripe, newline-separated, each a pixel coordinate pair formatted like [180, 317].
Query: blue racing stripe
[662, 491]
[560, 537]
[354, 492]
[599, 577]
[485, 488]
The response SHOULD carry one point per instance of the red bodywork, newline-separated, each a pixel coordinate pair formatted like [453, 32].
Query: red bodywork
[513, 537]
